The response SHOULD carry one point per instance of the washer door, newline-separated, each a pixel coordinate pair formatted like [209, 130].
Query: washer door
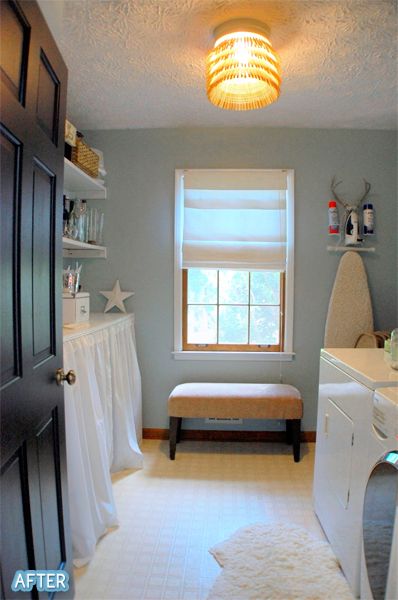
[380, 505]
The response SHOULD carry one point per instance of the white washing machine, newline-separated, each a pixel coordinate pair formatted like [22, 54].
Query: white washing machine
[347, 381]
[380, 511]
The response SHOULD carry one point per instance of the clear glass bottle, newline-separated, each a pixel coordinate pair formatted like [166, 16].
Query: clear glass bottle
[394, 348]
[83, 221]
[100, 238]
[92, 226]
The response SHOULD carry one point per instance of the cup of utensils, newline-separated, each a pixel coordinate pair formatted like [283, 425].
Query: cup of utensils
[71, 280]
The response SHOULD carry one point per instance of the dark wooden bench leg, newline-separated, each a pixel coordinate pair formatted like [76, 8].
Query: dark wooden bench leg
[178, 438]
[173, 433]
[289, 434]
[296, 430]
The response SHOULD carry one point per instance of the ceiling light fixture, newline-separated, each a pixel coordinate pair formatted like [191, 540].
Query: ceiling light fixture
[242, 71]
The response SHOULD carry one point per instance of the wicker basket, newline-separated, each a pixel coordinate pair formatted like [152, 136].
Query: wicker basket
[84, 158]
[372, 339]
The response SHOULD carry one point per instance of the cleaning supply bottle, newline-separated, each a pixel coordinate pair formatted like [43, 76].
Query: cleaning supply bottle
[352, 228]
[368, 219]
[334, 224]
[394, 349]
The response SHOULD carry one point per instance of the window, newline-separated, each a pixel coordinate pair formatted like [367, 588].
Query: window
[234, 261]
[233, 310]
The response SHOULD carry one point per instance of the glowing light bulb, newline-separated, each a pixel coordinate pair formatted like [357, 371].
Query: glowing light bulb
[242, 52]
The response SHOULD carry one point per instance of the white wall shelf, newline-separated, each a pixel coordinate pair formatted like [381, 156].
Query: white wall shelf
[347, 248]
[77, 184]
[76, 249]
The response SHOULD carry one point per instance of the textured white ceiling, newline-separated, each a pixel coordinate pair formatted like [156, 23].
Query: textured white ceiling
[141, 63]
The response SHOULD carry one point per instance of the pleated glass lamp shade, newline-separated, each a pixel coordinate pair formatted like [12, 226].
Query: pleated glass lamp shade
[243, 72]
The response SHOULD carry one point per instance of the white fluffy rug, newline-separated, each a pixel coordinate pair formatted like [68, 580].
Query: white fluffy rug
[277, 562]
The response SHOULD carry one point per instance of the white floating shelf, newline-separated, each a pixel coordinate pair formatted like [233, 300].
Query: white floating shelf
[76, 249]
[77, 184]
[349, 248]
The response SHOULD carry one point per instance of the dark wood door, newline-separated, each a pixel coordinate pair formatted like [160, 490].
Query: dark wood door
[34, 505]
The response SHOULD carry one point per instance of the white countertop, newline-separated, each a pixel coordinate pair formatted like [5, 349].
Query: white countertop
[390, 394]
[97, 321]
[367, 365]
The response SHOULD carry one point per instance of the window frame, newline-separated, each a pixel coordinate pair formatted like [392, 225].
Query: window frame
[231, 347]
[287, 326]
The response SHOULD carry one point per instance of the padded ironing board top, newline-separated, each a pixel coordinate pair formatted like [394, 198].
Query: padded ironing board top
[350, 307]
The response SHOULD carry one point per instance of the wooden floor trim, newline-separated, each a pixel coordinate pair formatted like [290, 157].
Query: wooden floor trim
[226, 436]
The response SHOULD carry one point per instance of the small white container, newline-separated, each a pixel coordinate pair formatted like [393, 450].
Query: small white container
[76, 309]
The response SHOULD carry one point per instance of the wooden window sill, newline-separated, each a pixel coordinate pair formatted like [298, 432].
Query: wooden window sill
[217, 355]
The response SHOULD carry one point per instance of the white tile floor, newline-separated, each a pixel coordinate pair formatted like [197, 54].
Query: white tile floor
[172, 512]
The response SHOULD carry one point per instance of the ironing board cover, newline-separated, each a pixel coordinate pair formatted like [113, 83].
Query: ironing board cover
[350, 307]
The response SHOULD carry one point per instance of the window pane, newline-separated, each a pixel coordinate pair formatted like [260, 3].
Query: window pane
[264, 287]
[202, 325]
[202, 286]
[234, 287]
[264, 325]
[233, 325]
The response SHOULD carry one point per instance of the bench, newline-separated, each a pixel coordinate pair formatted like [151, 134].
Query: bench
[236, 401]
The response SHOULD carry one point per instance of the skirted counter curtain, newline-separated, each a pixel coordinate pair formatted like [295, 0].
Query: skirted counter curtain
[103, 416]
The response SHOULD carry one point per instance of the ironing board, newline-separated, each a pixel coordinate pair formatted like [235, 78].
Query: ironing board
[350, 307]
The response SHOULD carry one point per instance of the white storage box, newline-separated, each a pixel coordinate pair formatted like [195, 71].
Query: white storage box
[76, 309]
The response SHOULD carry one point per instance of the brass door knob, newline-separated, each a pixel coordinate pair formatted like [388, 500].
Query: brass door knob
[60, 377]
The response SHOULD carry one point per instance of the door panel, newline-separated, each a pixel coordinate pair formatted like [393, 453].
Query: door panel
[14, 514]
[48, 98]
[10, 157]
[339, 452]
[49, 477]
[15, 33]
[42, 263]
[44, 467]
[35, 524]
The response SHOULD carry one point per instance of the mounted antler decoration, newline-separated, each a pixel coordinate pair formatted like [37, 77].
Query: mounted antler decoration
[351, 226]
[333, 187]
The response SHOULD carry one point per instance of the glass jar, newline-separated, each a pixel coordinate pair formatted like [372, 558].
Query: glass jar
[394, 349]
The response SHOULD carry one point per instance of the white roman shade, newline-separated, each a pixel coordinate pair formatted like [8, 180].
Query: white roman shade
[234, 219]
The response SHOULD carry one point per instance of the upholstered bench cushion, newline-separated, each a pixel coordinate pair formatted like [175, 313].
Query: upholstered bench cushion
[236, 401]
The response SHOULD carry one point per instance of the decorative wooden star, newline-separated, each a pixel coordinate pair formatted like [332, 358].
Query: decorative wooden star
[116, 297]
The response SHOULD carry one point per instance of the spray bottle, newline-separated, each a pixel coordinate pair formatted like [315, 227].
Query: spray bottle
[334, 222]
[368, 219]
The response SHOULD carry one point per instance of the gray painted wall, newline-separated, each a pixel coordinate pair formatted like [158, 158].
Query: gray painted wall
[139, 235]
